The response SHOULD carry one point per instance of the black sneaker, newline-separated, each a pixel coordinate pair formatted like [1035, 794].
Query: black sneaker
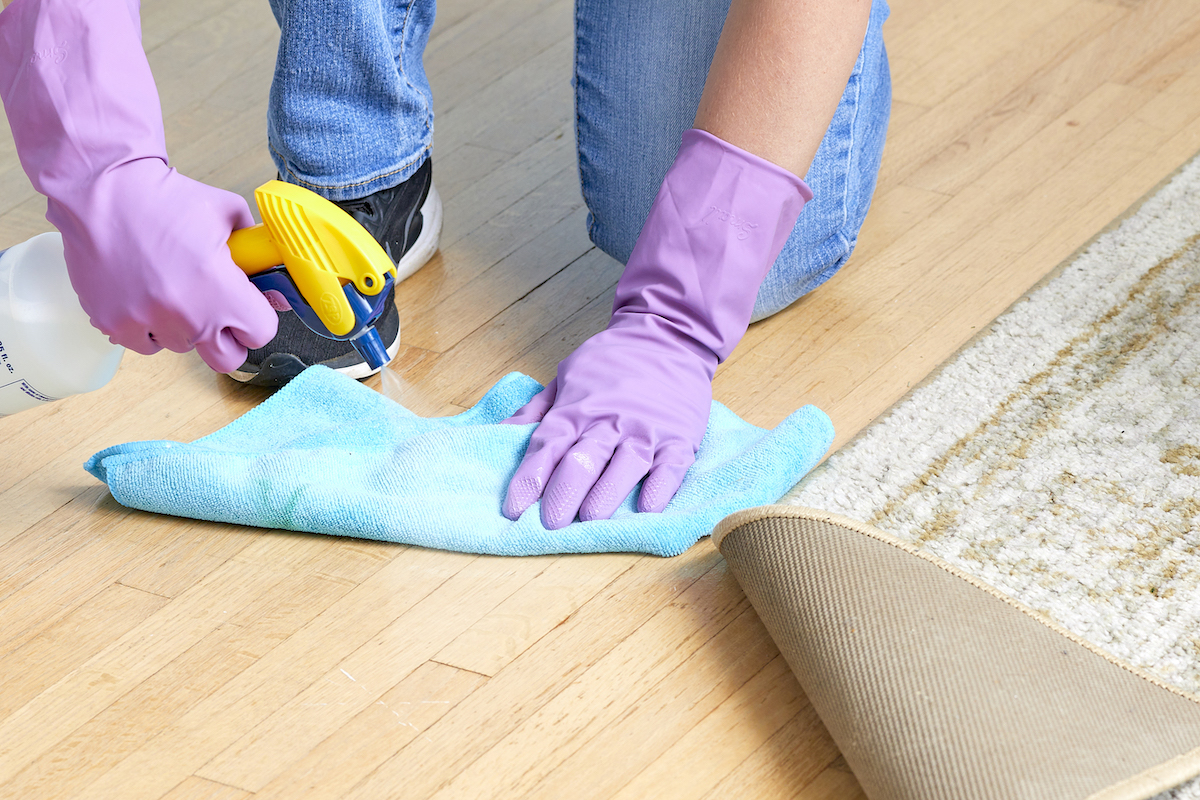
[405, 219]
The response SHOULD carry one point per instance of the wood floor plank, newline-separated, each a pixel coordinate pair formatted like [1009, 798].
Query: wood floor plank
[168, 390]
[142, 713]
[333, 767]
[466, 169]
[200, 789]
[523, 760]
[786, 763]
[79, 635]
[663, 715]
[942, 58]
[1138, 173]
[500, 190]
[945, 122]
[543, 672]
[507, 281]
[53, 714]
[463, 63]
[540, 358]
[221, 718]
[957, 245]
[460, 368]
[531, 612]
[199, 58]
[833, 784]
[92, 554]
[26, 217]
[358, 680]
[163, 21]
[721, 741]
[502, 115]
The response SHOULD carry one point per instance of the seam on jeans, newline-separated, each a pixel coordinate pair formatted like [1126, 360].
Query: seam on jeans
[856, 76]
[403, 72]
[590, 224]
[294, 178]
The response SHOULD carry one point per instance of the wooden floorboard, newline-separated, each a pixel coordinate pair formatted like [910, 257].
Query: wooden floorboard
[150, 657]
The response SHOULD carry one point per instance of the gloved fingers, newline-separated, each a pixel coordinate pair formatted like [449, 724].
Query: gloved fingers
[169, 331]
[222, 352]
[546, 448]
[628, 465]
[535, 409]
[671, 463]
[572, 480]
[143, 345]
[240, 216]
[225, 205]
[253, 322]
[249, 322]
[131, 335]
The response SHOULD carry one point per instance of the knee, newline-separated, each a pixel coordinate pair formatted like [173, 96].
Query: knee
[619, 189]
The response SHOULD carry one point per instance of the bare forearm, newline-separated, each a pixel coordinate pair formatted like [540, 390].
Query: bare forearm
[778, 74]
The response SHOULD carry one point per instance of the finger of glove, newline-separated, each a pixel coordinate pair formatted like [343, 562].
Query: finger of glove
[132, 335]
[170, 332]
[249, 322]
[628, 465]
[572, 480]
[671, 464]
[222, 351]
[253, 323]
[546, 449]
[240, 215]
[535, 409]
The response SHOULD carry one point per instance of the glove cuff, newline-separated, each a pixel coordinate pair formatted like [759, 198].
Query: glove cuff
[716, 227]
[78, 91]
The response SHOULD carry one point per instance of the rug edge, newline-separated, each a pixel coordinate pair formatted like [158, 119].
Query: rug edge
[1163, 777]
[740, 518]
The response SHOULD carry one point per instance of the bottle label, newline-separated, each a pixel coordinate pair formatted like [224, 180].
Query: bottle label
[7, 370]
[19, 395]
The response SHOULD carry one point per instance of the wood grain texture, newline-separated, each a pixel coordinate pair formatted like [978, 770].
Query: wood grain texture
[150, 657]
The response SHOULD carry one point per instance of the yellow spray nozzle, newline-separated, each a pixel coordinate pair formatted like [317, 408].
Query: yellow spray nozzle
[321, 246]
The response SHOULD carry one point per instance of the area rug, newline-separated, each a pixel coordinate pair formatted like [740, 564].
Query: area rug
[994, 590]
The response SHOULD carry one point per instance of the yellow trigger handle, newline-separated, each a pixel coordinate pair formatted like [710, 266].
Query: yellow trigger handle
[321, 246]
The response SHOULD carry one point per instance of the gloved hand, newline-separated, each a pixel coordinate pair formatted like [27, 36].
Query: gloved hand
[633, 400]
[145, 246]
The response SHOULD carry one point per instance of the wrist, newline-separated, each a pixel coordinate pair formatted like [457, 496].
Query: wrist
[682, 334]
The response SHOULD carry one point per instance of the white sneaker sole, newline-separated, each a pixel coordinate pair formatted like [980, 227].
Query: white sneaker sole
[427, 242]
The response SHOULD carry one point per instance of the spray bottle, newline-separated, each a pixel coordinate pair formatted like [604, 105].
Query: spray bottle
[48, 348]
[307, 255]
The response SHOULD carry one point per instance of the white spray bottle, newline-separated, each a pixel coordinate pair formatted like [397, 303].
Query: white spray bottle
[48, 349]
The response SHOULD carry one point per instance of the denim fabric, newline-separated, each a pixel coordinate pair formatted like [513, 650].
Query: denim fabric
[350, 110]
[351, 113]
[640, 67]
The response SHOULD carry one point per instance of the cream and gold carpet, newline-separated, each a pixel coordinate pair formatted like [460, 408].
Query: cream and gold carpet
[994, 591]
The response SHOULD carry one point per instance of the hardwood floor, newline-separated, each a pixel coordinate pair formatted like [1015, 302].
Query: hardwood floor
[150, 657]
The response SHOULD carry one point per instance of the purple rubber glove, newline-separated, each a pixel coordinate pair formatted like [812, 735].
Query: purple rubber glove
[633, 400]
[145, 246]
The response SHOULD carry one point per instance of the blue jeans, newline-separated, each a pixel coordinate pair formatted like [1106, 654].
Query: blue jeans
[350, 110]
[351, 113]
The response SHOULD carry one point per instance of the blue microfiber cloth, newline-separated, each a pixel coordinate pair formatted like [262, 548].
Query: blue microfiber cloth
[326, 454]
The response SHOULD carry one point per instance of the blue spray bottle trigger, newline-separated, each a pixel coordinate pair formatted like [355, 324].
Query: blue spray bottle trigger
[367, 309]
